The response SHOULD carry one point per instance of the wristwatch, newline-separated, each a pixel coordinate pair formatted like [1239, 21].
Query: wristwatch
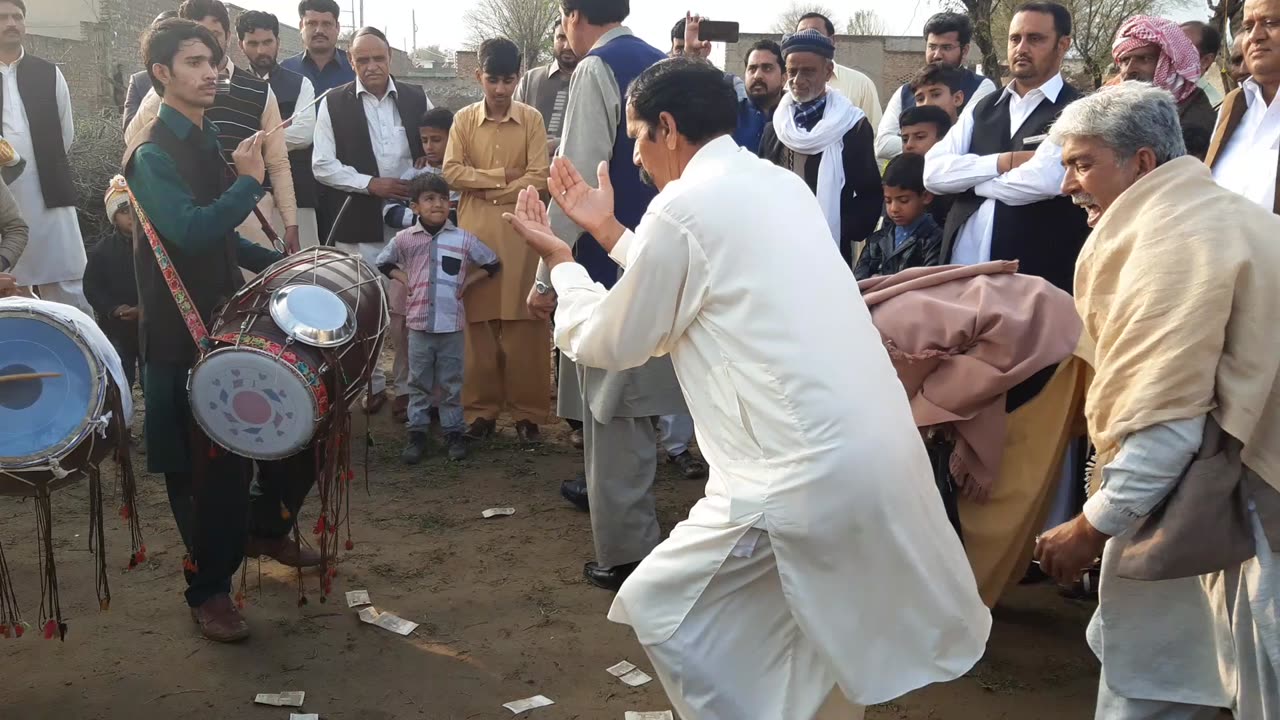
[542, 288]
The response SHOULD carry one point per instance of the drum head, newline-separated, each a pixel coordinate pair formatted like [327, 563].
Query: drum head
[252, 404]
[44, 418]
[313, 315]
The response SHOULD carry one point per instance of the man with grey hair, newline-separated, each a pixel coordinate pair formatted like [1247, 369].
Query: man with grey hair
[1184, 410]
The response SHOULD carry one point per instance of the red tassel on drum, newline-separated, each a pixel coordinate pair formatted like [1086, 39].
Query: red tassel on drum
[350, 545]
[50, 628]
[18, 630]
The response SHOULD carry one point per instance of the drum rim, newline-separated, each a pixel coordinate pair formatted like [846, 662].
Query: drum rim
[90, 421]
[311, 399]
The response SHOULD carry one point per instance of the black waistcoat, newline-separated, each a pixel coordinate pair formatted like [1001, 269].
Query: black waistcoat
[238, 114]
[287, 85]
[1044, 237]
[211, 277]
[37, 84]
[362, 220]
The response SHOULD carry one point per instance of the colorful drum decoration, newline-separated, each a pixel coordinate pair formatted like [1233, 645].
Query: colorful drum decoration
[299, 339]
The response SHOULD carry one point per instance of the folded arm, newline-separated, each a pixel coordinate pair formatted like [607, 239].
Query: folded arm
[949, 168]
[1037, 179]
[458, 170]
[536, 164]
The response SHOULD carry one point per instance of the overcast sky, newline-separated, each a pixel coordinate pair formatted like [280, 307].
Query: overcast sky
[441, 22]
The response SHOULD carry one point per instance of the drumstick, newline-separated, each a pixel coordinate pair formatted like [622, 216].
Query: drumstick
[285, 123]
[29, 376]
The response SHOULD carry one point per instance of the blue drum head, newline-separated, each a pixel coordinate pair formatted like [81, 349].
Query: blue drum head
[45, 417]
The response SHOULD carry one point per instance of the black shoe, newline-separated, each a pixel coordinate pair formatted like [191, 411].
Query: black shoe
[481, 429]
[416, 450]
[528, 433]
[457, 446]
[690, 466]
[608, 578]
[575, 491]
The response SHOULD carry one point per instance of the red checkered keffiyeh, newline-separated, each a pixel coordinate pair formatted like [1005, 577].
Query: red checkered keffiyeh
[1178, 68]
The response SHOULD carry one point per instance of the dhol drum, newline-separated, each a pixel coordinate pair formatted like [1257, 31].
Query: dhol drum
[62, 412]
[294, 343]
[55, 391]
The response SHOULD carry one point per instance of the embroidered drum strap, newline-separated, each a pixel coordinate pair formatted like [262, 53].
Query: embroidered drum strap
[186, 308]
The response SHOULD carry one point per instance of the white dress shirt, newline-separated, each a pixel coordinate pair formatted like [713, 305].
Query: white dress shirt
[56, 250]
[950, 168]
[299, 134]
[386, 132]
[889, 133]
[1247, 165]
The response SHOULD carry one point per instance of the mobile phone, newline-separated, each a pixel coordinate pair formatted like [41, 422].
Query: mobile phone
[718, 31]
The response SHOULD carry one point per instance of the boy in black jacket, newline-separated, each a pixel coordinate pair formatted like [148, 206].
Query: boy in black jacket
[109, 280]
[912, 238]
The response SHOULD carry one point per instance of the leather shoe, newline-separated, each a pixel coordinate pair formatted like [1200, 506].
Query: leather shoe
[575, 491]
[373, 403]
[481, 429]
[608, 578]
[220, 621]
[528, 433]
[285, 550]
[416, 449]
[690, 466]
[456, 446]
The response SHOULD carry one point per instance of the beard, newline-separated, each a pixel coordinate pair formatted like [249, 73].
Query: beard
[647, 179]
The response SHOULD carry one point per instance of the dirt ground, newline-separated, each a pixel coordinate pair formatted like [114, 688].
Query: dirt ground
[504, 614]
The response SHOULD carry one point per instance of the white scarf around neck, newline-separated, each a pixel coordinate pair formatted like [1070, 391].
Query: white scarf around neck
[827, 138]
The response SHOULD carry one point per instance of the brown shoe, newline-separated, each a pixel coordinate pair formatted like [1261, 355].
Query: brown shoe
[400, 408]
[220, 621]
[481, 429]
[285, 550]
[528, 433]
[373, 403]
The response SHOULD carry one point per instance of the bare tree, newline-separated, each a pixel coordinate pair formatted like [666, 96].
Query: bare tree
[865, 22]
[982, 14]
[788, 19]
[527, 23]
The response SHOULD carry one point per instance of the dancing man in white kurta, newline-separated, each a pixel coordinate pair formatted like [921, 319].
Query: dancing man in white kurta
[819, 573]
[35, 109]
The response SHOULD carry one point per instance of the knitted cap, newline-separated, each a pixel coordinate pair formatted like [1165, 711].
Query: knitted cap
[810, 41]
[116, 197]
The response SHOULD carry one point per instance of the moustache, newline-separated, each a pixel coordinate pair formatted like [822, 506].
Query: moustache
[1083, 199]
[1021, 58]
[647, 179]
[759, 85]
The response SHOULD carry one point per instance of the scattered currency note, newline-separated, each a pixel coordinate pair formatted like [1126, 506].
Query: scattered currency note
[308, 716]
[498, 512]
[285, 699]
[659, 715]
[369, 615]
[356, 598]
[397, 625]
[636, 678]
[621, 669]
[518, 706]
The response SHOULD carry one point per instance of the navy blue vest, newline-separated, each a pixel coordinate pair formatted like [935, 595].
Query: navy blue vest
[972, 81]
[287, 85]
[627, 56]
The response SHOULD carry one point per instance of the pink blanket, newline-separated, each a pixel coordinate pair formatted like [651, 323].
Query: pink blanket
[960, 338]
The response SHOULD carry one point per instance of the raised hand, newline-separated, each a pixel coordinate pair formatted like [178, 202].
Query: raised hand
[591, 208]
[530, 220]
[694, 46]
[248, 158]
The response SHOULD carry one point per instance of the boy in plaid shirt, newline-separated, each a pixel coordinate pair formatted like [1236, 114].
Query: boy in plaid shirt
[433, 259]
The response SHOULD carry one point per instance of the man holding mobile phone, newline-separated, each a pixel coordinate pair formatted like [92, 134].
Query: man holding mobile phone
[688, 40]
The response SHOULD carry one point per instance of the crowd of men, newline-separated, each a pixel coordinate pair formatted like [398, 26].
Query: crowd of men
[1152, 201]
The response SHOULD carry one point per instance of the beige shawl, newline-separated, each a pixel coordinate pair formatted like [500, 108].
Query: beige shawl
[1179, 290]
[960, 338]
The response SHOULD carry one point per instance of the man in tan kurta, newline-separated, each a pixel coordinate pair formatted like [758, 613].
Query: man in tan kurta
[498, 147]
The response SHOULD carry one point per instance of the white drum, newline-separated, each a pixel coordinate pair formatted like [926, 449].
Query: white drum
[249, 400]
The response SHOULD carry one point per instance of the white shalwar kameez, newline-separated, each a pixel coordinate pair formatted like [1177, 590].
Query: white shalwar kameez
[54, 259]
[819, 574]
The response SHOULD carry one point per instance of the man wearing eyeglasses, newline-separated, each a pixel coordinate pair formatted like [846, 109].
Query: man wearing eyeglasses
[1245, 153]
[946, 37]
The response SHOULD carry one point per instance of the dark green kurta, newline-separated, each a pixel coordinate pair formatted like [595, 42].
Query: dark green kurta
[167, 199]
